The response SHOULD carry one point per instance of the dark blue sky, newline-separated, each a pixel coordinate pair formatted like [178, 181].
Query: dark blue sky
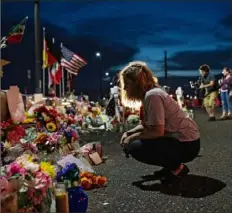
[193, 33]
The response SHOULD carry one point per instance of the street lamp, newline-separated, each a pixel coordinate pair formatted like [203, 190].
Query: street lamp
[107, 74]
[99, 56]
[28, 79]
[111, 83]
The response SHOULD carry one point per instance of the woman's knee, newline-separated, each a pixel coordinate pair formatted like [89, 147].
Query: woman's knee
[135, 147]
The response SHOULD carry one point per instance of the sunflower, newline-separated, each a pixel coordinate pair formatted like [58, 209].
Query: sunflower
[51, 127]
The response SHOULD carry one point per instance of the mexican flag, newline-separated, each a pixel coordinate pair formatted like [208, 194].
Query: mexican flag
[16, 34]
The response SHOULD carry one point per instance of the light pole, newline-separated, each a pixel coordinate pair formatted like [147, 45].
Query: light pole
[28, 81]
[99, 56]
[37, 48]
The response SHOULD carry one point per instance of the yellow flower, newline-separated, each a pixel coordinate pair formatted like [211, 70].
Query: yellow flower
[27, 115]
[48, 168]
[51, 127]
[7, 145]
[28, 120]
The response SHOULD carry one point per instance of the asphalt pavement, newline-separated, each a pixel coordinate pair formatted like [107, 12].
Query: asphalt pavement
[132, 188]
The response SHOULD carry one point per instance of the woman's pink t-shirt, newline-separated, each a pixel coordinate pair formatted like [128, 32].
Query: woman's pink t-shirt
[161, 109]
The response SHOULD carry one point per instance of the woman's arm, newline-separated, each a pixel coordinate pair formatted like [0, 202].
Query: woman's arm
[137, 129]
[155, 120]
[149, 133]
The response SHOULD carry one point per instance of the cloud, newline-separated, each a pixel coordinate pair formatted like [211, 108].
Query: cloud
[188, 60]
[223, 30]
[227, 21]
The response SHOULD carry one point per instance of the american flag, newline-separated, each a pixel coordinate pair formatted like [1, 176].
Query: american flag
[71, 61]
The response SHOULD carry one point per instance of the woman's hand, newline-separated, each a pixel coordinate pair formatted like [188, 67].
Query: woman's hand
[127, 141]
[202, 86]
[124, 136]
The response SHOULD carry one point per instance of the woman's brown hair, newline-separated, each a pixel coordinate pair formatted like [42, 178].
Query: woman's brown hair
[228, 70]
[142, 77]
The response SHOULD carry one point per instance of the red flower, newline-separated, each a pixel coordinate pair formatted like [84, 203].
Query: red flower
[5, 125]
[16, 134]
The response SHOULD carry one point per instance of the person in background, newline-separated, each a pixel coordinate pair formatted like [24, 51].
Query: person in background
[51, 91]
[209, 84]
[166, 137]
[230, 93]
[225, 89]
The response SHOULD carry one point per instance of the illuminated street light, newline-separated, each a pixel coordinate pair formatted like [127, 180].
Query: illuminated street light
[106, 73]
[111, 83]
[98, 54]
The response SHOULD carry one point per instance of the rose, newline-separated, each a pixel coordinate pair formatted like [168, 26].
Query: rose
[13, 137]
[5, 125]
[13, 168]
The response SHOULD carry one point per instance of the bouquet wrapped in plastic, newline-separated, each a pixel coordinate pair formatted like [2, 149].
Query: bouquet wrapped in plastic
[30, 181]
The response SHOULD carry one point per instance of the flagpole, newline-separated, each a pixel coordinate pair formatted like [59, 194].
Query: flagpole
[67, 82]
[60, 85]
[53, 42]
[62, 80]
[44, 49]
[37, 48]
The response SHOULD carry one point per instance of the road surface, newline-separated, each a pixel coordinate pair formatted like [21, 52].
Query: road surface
[208, 187]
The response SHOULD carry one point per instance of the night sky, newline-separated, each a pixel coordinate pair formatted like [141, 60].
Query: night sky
[193, 33]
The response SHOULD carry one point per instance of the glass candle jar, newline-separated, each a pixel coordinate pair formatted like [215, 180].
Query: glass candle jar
[61, 198]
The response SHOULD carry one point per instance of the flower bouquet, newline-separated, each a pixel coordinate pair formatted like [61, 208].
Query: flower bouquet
[91, 181]
[12, 132]
[47, 117]
[32, 181]
[29, 119]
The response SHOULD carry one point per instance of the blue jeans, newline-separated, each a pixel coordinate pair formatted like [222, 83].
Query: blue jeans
[226, 102]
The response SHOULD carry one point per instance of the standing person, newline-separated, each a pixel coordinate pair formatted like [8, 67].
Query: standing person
[225, 89]
[52, 92]
[208, 82]
[166, 137]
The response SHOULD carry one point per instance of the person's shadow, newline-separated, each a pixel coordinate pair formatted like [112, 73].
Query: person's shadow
[191, 186]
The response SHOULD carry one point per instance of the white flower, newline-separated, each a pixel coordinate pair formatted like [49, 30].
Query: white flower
[23, 140]
[32, 167]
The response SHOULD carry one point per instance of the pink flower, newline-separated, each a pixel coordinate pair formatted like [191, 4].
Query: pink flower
[42, 180]
[30, 146]
[23, 171]
[13, 168]
[75, 135]
[6, 187]
[54, 138]
[38, 188]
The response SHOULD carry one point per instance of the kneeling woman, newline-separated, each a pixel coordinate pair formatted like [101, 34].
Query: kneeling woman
[166, 137]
